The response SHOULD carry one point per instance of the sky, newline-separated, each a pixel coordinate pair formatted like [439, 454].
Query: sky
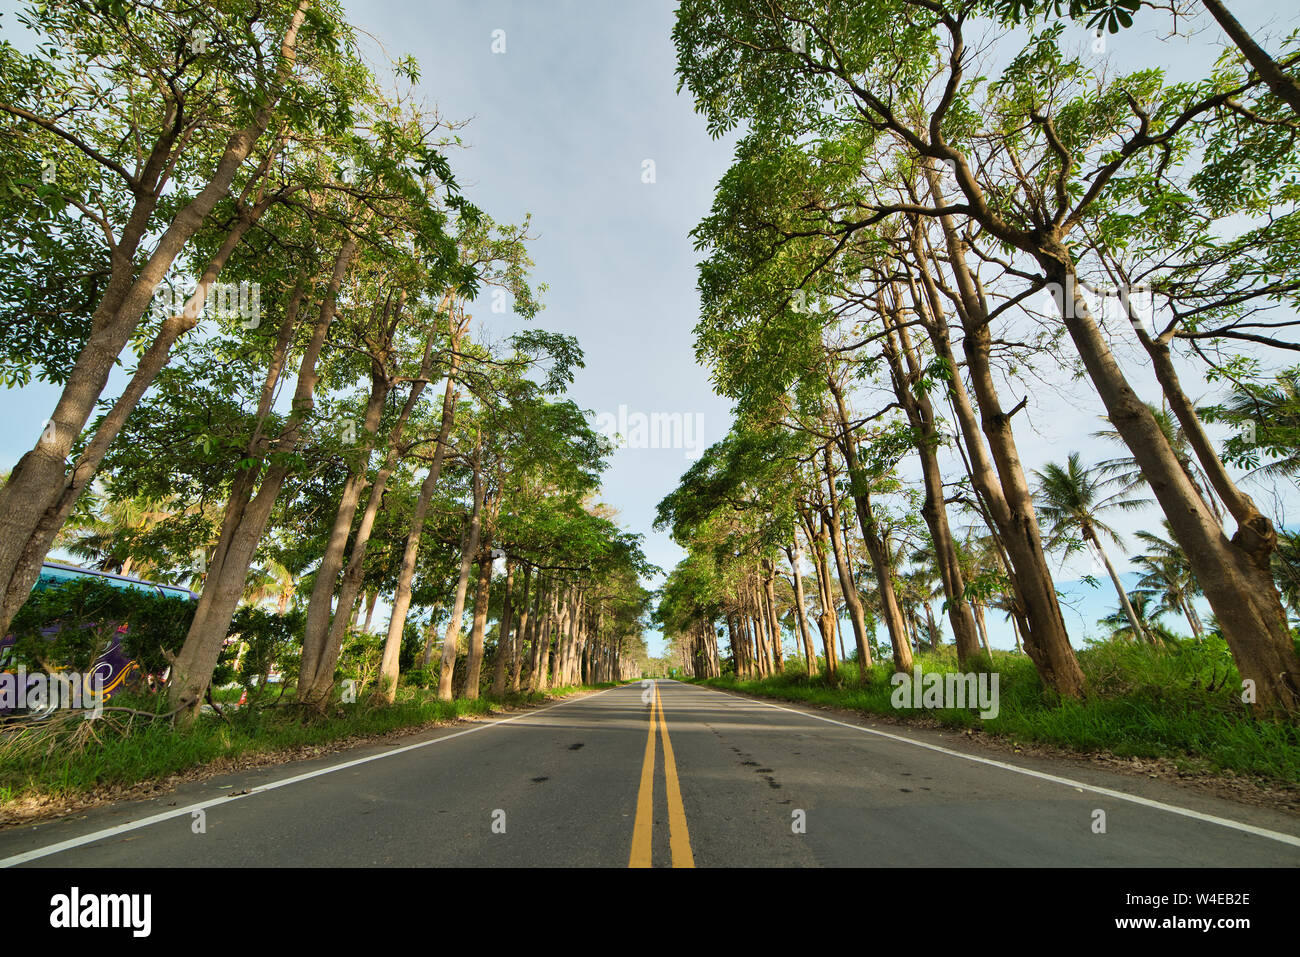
[573, 118]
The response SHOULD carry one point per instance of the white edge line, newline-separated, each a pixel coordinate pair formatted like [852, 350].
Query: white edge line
[1082, 785]
[117, 829]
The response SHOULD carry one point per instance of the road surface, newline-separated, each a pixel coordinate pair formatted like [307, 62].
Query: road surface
[669, 775]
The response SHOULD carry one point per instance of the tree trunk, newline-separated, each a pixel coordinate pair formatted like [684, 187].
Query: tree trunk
[315, 661]
[733, 641]
[1243, 594]
[243, 527]
[1193, 619]
[372, 598]
[1005, 493]
[449, 642]
[546, 671]
[763, 621]
[430, 637]
[353, 576]
[880, 561]
[479, 628]
[1139, 633]
[826, 616]
[931, 630]
[920, 413]
[505, 647]
[983, 628]
[521, 632]
[753, 647]
[406, 575]
[535, 632]
[769, 596]
[795, 557]
[1285, 86]
[831, 518]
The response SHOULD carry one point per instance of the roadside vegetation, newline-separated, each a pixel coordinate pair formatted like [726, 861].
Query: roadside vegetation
[122, 748]
[1176, 702]
[388, 506]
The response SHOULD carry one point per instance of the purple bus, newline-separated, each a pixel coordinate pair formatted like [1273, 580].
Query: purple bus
[112, 665]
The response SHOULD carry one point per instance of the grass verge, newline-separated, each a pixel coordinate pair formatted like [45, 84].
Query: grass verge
[118, 751]
[1180, 703]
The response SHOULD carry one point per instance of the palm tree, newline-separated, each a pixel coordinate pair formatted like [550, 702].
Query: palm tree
[1128, 474]
[1167, 573]
[1071, 500]
[923, 584]
[1286, 568]
[270, 579]
[1272, 411]
[987, 583]
[1006, 603]
[103, 530]
[1139, 605]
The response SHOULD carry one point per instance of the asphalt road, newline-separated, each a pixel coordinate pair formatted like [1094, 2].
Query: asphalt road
[676, 775]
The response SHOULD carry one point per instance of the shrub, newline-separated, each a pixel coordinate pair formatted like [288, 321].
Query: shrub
[265, 640]
[70, 624]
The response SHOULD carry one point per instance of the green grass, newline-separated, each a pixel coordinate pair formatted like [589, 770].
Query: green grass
[74, 762]
[1180, 703]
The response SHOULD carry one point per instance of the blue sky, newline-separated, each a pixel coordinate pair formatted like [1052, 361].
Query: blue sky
[561, 125]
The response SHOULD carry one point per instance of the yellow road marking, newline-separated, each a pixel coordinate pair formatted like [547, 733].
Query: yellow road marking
[645, 803]
[679, 838]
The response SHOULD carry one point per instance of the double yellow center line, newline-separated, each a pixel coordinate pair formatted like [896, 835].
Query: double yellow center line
[679, 838]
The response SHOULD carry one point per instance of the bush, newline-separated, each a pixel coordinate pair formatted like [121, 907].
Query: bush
[416, 678]
[360, 660]
[157, 629]
[412, 645]
[265, 640]
[70, 624]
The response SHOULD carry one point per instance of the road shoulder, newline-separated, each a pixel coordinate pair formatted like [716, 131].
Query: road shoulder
[1275, 809]
[243, 772]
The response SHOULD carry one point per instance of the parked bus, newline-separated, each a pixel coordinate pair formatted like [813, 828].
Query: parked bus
[112, 665]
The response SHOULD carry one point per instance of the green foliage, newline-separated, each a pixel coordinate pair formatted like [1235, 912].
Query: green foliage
[1180, 702]
[360, 660]
[141, 750]
[1072, 499]
[261, 642]
[1146, 608]
[1266, 419]
[1112, 14]
[157, 630]
[86, 612]
[412, 644]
